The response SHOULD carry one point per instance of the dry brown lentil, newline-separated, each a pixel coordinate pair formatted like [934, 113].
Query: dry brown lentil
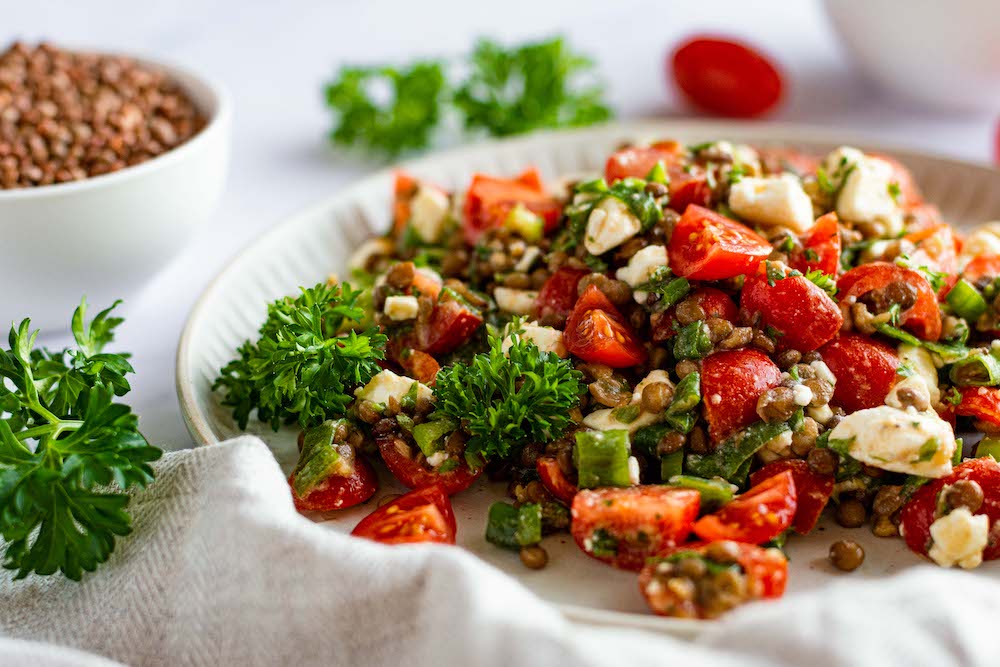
[534, 557]
[964, 493]
[822, 461]
[776, 405]
[656, 397]
[846, 555]
[740, 337]
[851, 513]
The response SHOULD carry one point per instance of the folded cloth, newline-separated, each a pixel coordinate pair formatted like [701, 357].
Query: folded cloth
[222, 570]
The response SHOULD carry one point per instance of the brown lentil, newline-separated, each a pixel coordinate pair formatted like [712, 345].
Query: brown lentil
[685, 368]
[740, 337]
[718, 328]
[804, 440]
[888, 500]
[884, 526]
[67, 116]
[763, 342]
[517, 280]
[777, 405]
[697, 441]
[688, 311]
[912, 397]
[851, 513]
[656, 397]
[400, 275]
[822, 461]
[671, 442]
[846, 555]
[534, 557]
[617, 291]
[787, 359]
[611, 391]
[964, 493]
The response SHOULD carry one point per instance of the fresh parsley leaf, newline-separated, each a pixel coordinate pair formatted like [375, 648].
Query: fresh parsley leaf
[506, 401]
[894, 191]
[536, 85]
[65, 444]
[404, 122]
[306, 360]
[824, 281]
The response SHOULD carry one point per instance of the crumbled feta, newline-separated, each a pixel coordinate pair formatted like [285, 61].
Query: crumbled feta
[715, 399]
[546, 339]
[920, 361]
[428, 212]
[386, 384]
[906, 441]
[531, 254]
[610, 224]
[984, 240]
[779, 447]
[864, 189]
[633, 471]
[772, 201]
[823, 372]
[802, 395]
[822, 415]
[641, 267]
[367, 250]
[958, 538]
[437, 458]
[519, 301]
[401, 308]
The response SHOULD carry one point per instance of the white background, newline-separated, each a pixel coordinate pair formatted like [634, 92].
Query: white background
[275, 56]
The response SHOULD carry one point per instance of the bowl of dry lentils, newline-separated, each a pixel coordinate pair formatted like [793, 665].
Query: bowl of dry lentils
[108, 164]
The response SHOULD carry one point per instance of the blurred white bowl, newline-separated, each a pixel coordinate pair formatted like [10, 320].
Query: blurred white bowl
[106, 236]
[943, 55]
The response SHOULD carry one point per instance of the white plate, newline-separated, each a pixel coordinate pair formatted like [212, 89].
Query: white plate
[307, 247]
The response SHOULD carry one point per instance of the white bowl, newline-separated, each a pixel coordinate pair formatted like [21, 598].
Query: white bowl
[106, 236]
[942, 55]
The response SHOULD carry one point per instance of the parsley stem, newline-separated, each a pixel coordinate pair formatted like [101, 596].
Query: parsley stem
[55, 429]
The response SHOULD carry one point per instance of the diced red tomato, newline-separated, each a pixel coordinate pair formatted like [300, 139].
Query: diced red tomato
[490, 199]
[338, 492]
[726, 77]
[709, 246]
[597, 332]
[865, 370]
[936, 250]
[405, 188]
[420, 366]
[424, 515]
[624, 527]
[553, 479]
[766, 571]
[922, 319]
[778, 160]
[737, 378]
[982, 266]
[559, 294]
[398, 459]
[425, 283]
[688, 183]
[920, 512]
[757, 516]
[451, 324]
[714, 302]
[982, 403]
[812, 491]
[820, 248]
[925, 216]
[801, 313]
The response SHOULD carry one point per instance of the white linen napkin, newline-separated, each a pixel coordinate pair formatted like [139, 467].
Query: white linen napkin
[222, 570]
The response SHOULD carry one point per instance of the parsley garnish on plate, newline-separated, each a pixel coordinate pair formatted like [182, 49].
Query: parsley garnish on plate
[391, 110]
[65, 445]
[307, 360]
[506, 401]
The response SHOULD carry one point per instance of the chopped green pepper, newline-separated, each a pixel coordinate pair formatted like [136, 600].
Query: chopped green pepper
[601, 458]
[966, 300]
[977, 370]
[714, 492]
[730, 456]
[693, 341]
[514, 527]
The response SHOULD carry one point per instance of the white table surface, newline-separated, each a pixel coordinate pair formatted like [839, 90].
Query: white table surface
[275, 56]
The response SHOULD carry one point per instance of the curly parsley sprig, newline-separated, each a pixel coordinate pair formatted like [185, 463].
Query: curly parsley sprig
[505, 401]
[64, 442]
[306, 360]
[504, 91]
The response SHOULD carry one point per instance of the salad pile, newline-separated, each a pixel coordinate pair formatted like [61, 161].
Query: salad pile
[682, 361]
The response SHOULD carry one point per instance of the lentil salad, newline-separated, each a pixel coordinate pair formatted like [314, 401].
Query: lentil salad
[705, 320]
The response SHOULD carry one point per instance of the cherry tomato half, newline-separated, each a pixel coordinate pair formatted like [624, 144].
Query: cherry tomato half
[709, 246]
[812, 491]
[398, 458]
[597, 332]
[490, 199]
[714, 302]
[982, 403]
[553, 479]
[423, 515]
[922, 319]
[688, 183]
[865, 369]
[726, 77]
[982, 266]
[820, 248]
[451, 324]
[757, 516]
[558, 295]
[731, 383]
[339, 492]
[803, 315]
[624, 527]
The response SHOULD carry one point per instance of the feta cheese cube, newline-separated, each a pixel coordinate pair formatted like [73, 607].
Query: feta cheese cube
[633, 471]
[610, 224]
[864, 195]
[906, 441]
[772, 201]
[386, 384]
[641, 267]
[401, 308]
[802, 395]
[437, 458]
[958, 538]
[519, 301]
[546, 339]
[428, 213]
